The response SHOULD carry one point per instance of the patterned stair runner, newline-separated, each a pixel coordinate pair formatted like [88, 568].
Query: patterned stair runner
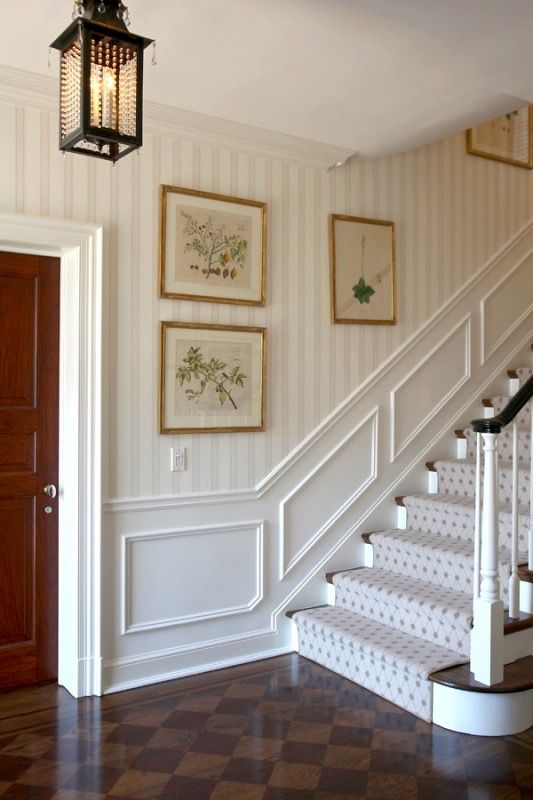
[410, 614]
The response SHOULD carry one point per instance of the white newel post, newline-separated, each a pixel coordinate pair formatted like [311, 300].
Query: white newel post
[486, 656]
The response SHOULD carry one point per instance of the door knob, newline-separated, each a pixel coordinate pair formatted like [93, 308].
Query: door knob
[50, 490]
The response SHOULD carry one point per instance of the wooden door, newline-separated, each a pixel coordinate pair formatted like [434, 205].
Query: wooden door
[29, 425]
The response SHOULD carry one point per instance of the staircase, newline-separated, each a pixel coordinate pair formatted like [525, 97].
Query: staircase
[402, 625]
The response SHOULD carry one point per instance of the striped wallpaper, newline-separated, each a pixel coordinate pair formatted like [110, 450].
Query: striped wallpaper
[452, 212]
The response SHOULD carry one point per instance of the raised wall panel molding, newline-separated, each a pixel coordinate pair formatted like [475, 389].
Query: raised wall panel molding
[423, 382]
[509, 299]
[39, 91]
[169, 571]
[365, 437]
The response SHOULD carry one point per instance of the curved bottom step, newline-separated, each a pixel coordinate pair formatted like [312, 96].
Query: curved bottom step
[482, 713]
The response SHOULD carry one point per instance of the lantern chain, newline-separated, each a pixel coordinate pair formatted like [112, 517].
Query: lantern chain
[122, 10]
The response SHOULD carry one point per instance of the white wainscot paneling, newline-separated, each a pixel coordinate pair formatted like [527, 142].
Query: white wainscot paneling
[185, 576]
[421, 394]
[328, 491]
[505, 306]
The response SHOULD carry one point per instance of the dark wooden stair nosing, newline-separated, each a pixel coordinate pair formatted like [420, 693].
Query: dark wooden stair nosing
[400, 500]
[330, 575]
[430, 465]
[525, 574]
[518, 677]
[523, 622]
[290, 614]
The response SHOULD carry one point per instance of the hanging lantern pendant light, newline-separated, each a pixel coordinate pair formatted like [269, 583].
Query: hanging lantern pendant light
[101, 82]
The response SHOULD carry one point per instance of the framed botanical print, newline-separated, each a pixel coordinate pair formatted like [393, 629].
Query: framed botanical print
[212, 247]
[508, 138]
[212, 378]
[362, 270]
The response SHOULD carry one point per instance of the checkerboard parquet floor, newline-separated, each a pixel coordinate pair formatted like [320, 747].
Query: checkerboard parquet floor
[281, 729]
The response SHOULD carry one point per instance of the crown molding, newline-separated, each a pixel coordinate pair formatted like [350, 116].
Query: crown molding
[20, 87]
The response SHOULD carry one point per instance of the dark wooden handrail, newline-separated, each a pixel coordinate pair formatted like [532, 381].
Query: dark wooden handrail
[515, 404]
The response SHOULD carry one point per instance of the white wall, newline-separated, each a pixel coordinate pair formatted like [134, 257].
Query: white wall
[452, 212]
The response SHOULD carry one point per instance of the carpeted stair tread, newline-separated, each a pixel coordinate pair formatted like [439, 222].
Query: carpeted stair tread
[457, 477]
[421, 609]
[388, 662]
[455, 516]
[430, 557]
[524, 374]
[505, 444]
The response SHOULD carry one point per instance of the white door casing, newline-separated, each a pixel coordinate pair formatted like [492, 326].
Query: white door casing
[79, 247]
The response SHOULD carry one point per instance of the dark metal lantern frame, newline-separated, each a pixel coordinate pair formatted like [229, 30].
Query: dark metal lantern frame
[101, 95]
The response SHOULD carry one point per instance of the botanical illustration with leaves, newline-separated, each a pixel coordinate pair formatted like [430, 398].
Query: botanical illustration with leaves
[221, 253]
[362, 290]
[209, 372]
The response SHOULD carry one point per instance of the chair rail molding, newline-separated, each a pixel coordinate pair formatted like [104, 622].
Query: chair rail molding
[79, 248]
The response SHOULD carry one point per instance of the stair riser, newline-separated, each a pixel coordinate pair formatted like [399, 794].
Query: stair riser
[460, 522]
[411, 622]
[458, 479]
[408, 691]
[452, 572]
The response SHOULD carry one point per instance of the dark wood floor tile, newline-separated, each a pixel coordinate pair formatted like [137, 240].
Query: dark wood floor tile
[286, 775]
[342, 757]
[497, 769]
[68, 794]
[437, 766]
[397, 762]
[246, 691]
[139, 785]
[172, 737]
[403, 741]
[229, 790]
[484, 791]
[226, 723]
[312, 732]
[219, 743]
[315, 713]
[276, 793]
[71, 749]
[439, 744]
[19, 791]
[394, 721]
[47, 773]
[267, 728]
[351, 737]
[186, 720]
[204, 704]
[432, 788]
[303, 752]
[12, 767]
[152, 718]
[392, 786]
[181, 787]
[259, 748]
[132, 734]
[92, 778]
[152, 759]
[27, 745]
[343, 781]
[114, 754]
[208, 766]
[355, 717]
[248, 770]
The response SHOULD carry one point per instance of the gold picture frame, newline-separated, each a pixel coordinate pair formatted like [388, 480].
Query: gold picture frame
[508, 138]
[212, 378]
[212, 247]
[362, 270]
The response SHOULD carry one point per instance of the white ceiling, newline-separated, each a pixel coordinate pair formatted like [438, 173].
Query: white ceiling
[373, 76]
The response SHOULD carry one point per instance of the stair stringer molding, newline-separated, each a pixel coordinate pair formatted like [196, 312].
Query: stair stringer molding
[197, 582]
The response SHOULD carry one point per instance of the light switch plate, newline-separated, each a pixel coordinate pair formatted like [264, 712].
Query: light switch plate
[177, 459]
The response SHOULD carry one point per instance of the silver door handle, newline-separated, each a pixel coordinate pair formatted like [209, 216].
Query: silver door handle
[50, 490]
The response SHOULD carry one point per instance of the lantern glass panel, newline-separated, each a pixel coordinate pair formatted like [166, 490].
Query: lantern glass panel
[71, 88]
[113, 85]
